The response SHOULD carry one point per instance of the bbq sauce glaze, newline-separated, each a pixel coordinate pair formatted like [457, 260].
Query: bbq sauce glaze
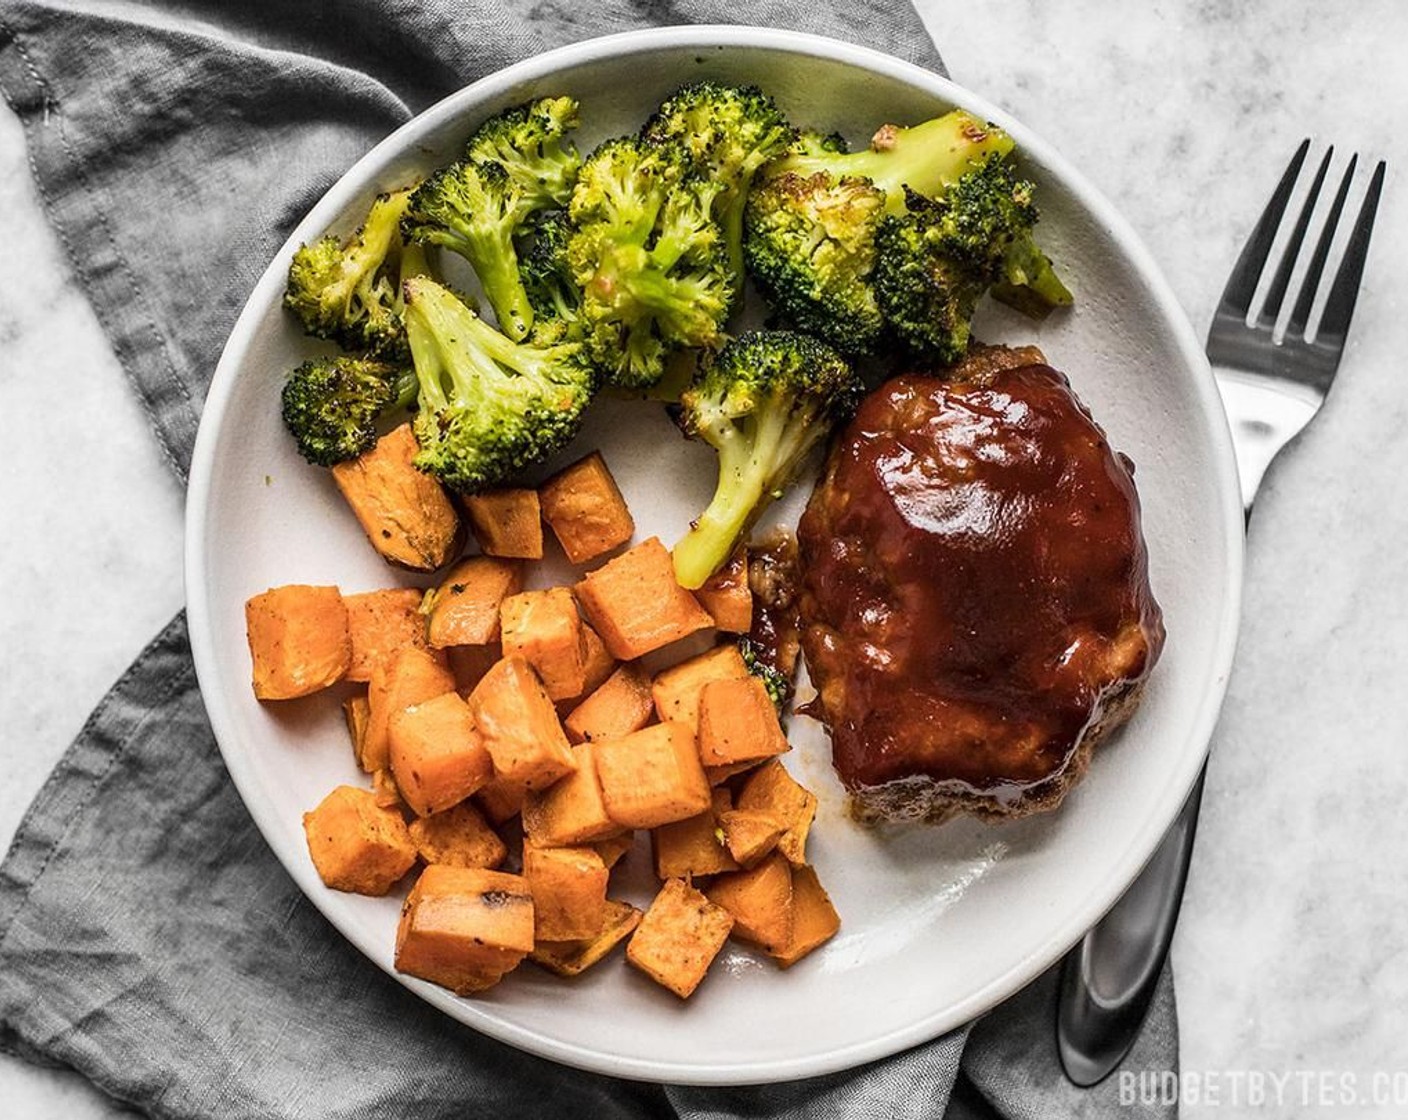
[974, 585]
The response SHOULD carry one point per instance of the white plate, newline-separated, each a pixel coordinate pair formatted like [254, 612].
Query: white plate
[939, 925]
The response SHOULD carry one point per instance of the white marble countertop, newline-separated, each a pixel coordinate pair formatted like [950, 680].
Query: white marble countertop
[1289, 958]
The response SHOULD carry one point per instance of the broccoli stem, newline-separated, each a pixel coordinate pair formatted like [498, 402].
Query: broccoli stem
[1029, 283]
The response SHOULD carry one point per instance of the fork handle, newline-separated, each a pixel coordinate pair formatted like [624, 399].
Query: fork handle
[1264, 414]
[1108, 979]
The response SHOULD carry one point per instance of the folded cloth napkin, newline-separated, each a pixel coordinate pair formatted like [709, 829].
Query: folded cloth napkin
[148, 938]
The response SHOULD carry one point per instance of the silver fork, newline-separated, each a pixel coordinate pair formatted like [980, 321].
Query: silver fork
[1271, 387]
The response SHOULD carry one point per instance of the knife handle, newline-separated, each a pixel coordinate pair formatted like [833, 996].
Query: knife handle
[1108, 979]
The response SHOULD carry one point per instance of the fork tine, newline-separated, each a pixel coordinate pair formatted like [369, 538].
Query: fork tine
[1241, 285]
[1339, 307]
[1300, 317]
[1276, 294]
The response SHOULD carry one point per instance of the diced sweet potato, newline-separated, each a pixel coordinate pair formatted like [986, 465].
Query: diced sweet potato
[652, 776]
[501, 800]
[463, 927]
[520, 726]
[298, 640]
[356, 845]
[572, 958]
[571, 811]
[760, 900]
[622, 705]
[585, 509]
[387, 793]
[614, 847]
[507, 523]
[409, 676]
[679, 937]
[470, 663]
[404, 512]
[727, 597]
[437, 754]
[544, 628]
[693, 846]
[600, 663]
[569, 892]
[460, 837]
[750, 834]
[738, 723]
[772, 788]
[720, 774]
[380, 623]
[636, 605]
[357, 711]
[464, 609]
[815, 920]
[677, 690]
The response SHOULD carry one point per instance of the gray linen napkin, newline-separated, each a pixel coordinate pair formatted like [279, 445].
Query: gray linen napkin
[148, 938]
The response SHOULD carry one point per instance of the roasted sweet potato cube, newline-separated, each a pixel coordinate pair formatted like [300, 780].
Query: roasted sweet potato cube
[464, 927]
[652, 776]
[460, 837]
[464, 609]
[614, 847]
[356, 845]
[507, 523]
[622, 705]
[544, 628]
[727, 597]
[501, 800]
[357, 711]
[772, 788]
[386, 792]
[585, 510]
[738, 723]
[720, 774]
[437, 754]
[600, 663]
[298, 640]
[693, 846]
[679, 937]
[569, 892]
[520, 725]
[636, 605]
[572, 958]
[760, 900]
[750, 834]
[571, 811]
[815, 920]
[409, 676]
[380, 623]
[678, 689]
[403, 511]
[470, 663]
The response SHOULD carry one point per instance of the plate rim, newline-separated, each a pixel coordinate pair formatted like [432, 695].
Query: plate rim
[1200, 723]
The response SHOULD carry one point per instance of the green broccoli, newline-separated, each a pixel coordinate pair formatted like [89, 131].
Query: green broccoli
[488, 406]
[765, 400]
[937, 259]
[648, 258]
[332, 405]
[779, 688]
[529, 143]
[728, 132]
[547, 278]
[349, 291]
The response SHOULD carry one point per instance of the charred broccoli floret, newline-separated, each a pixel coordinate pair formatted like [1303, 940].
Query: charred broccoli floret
[547, 278]
[331, 405]
[937, 259]
[648, 258]
[350, 291]
[728, 132]
[488, 406]
[779, 688]
[765, 400]
[530, 143]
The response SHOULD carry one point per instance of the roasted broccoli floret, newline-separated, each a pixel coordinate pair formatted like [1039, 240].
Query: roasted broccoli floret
[488, 406]
[648, 258]
[937, 259]
[350, 291]
[547, 278]
[530, 143]
[332, 405]
[765, 400]
[516, 165]
[728, 132]
[779, 688]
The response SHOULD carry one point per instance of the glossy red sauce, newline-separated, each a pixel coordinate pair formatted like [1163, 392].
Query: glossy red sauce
[974, 582]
